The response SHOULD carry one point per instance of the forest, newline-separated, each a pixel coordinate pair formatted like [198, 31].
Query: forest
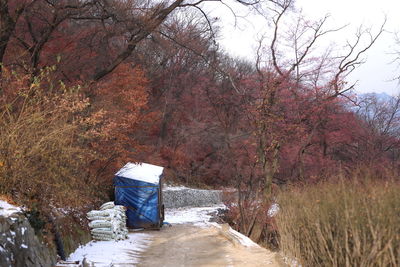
[88, 85]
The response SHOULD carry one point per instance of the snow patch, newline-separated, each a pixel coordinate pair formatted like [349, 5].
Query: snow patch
[7, 209]
[174, 188]
[142, 172]
[24, 246]
[242, 239]
[291, 262]
[113, 253]
[273, 210]
[198, 216]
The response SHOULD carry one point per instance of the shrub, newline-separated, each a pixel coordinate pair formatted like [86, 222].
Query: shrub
[43, 143]
[348, 223]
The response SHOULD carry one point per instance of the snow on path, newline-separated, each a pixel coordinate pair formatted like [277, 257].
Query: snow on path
[242, 239]
[201, 217]
[198, 216]
[127, 252]
[113, 253]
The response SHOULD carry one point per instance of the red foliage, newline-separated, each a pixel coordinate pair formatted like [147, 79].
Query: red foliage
[121, 103]
[198, 112]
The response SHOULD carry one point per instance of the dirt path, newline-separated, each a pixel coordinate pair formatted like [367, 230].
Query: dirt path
[188, 245]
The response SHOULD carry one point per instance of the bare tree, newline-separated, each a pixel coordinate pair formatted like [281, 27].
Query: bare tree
[137, 18]
[278, 69]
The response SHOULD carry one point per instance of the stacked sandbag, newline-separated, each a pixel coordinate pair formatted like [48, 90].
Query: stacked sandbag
[108, 223]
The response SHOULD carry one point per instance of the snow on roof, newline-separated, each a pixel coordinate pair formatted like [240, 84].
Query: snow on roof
[142, 172]
[7, 209]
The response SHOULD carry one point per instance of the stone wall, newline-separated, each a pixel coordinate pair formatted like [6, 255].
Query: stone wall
[188, 197]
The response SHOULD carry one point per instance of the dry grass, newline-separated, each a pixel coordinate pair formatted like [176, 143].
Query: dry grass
[342, 224]
[43, 155]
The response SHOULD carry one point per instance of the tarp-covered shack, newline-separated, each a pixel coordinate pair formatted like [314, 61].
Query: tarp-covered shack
[138, 188]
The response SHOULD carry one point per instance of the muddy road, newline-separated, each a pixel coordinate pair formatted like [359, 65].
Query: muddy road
[189, 245]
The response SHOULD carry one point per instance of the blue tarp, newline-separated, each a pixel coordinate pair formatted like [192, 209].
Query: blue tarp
[141, 199]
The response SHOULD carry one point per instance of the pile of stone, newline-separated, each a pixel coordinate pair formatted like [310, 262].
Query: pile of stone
[108, 223]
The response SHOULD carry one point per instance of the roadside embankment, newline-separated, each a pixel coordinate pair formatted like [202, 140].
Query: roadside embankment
[19, 245]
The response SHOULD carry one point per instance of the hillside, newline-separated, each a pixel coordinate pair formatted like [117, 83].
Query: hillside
[89, 85]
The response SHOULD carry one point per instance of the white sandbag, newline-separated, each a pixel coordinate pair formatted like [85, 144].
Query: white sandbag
[99, 213]
[108, 223]
[103, 237]
[107, 205]
[120, 207]
[99, 218]
[100, 224]
[103, 231]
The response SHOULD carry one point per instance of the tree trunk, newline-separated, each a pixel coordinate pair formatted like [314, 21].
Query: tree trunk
[7, 25]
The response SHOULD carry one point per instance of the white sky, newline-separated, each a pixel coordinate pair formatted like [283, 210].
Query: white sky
[374, 75]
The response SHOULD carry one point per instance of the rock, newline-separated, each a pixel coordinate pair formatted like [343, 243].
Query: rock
[19, 245]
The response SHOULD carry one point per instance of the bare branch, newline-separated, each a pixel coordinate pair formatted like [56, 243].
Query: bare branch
[317, 33]
[158, 17]
[275, 36]
[213, 65]
[353, 58]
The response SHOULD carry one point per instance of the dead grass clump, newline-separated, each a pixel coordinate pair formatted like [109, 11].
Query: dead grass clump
[353, 223]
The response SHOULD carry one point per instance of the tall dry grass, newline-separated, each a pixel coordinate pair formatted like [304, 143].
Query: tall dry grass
[346, 223]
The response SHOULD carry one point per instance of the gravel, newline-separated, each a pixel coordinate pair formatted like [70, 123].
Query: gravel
[177, 197]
